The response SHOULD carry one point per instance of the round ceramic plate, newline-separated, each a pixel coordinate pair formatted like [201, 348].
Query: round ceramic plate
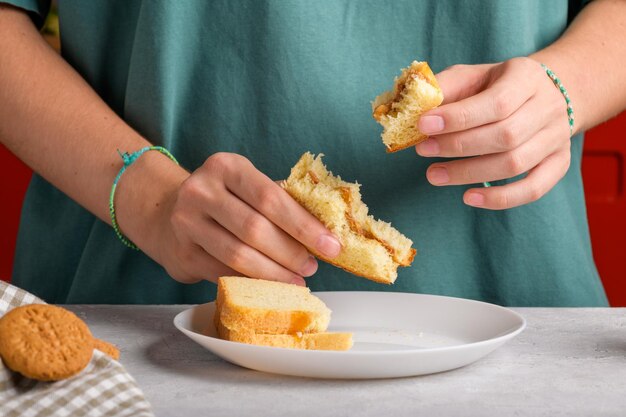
[395, 335]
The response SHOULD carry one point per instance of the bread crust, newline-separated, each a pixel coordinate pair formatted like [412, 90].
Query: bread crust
[381, 280]
[246, 331]
[414, 92]
[312, 317]
[372, 249]
[396, 148]
[309, 341]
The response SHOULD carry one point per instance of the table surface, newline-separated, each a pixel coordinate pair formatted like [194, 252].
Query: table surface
[568, 362]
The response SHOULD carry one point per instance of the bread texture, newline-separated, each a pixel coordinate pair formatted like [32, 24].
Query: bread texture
[269, 307]
[274, 314]
[313, 341]
[414, 92]
[370, 248]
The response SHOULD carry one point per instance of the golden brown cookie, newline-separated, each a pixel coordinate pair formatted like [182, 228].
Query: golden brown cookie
[106, 347]
[45, 342]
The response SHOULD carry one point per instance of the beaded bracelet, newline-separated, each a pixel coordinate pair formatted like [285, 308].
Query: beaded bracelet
[559, 85]
[129, 159]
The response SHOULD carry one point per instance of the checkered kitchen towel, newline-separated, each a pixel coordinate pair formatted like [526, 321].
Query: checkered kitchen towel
[103, 388]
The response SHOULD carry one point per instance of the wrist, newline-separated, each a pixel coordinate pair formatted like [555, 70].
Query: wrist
[568, 73]
[144, 198]
[573, 72]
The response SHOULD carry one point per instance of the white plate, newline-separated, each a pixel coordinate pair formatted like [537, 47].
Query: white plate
[395, 335]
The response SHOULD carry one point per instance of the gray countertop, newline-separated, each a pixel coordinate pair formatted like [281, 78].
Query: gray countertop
[568, 362]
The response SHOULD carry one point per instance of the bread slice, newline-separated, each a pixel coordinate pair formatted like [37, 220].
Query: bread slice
[370, 248]
[313, 341]
[247, 304]
[414, 92]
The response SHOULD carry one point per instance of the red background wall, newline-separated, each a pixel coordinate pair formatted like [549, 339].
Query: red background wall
[14, 178]
[603, 171]
[604, 175]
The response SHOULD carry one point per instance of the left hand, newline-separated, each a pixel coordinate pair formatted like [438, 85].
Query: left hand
[510, 119]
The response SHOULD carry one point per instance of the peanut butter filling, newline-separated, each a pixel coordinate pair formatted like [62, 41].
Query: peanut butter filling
[346, 194]
[381, 111]
[386, 109]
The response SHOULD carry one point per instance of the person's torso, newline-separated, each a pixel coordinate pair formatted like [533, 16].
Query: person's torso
[275, 78]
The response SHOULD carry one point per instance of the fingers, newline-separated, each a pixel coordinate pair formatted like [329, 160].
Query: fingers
[269, 199]
[497, 137]
[257, 231]
[507, 120]
[509, 86]
[237, 255]
[227, 216]
[497, 166]
[535, 185]
[491, 105]
[195, 264]
[461, 81]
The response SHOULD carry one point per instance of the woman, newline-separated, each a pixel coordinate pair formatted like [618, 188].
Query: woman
[237, 91]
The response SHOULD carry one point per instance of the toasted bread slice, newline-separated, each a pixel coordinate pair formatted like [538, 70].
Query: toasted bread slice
[415, 91]
[247, 304]
[370, 248]
[313, 341]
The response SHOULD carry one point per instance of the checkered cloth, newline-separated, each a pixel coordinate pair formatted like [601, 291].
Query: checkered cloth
[103, 388]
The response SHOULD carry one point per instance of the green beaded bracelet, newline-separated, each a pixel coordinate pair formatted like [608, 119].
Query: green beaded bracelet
[129, 159]
[559, 85]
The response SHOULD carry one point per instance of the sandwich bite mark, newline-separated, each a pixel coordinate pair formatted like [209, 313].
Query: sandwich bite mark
[370, 248]
[357, 228]
[415, 92]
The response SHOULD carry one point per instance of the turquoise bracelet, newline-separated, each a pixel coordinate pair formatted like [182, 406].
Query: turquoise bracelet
[129, 159]
[559, 85]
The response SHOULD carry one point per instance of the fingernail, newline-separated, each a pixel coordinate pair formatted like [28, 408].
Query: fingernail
[475, 199]
[309, 268]
[430, 147]
[438, 175]
[328, 245]
[298, 281]
[431, 124]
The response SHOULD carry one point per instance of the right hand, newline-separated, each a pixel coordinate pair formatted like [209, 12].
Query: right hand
[228, 218]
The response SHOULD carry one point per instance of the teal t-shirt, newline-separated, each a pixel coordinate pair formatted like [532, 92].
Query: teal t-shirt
[271, 79]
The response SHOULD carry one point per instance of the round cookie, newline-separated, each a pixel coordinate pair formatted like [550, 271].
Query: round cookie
[44, 342]
[106, 347]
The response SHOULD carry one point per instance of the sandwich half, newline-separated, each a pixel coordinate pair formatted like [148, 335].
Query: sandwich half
[269, 307]
[370, 248]
[274, 314]
[414, 92]
[311, 341]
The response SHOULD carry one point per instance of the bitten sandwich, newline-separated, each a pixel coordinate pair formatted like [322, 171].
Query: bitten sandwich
[414, 92]
[370, 248]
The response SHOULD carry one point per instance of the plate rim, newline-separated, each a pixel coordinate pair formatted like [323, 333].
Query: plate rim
[408, 352]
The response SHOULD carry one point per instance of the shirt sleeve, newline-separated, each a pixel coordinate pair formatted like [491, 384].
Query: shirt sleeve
[37, 9]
